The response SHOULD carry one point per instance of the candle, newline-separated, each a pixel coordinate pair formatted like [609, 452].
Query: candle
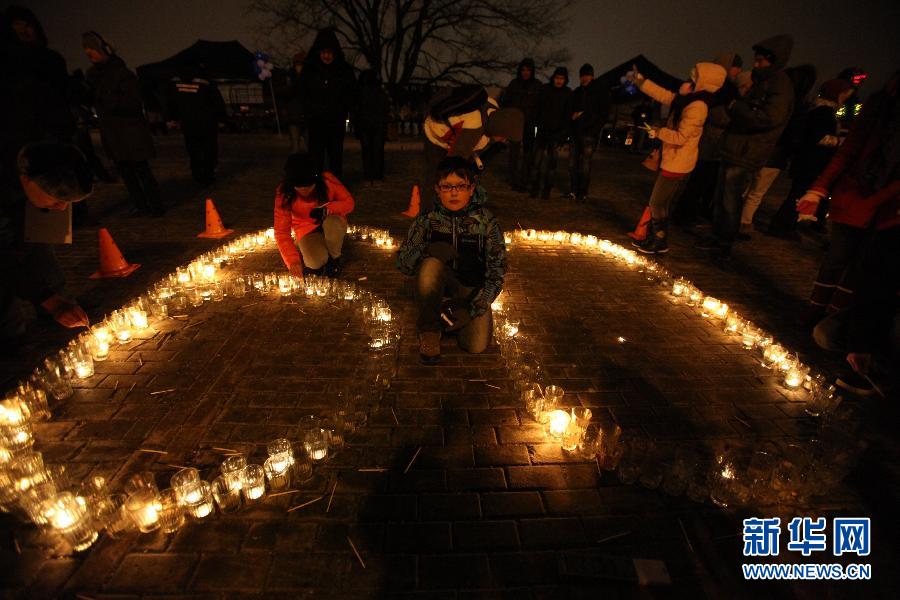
[201, 505]
[102, 338]
[13, 411]
[710, 306]
[228, 499]
[71, 520]
[171, 512]
[576, 238]
[733, 324]
[389, 242]
[232, 470]
[511, 328]
[794, 377]
[208, 271]
[590, 241]
[278, 471]
[557, 422]
[254, 483]
[679, 287]
[507, 238]
[139, 319]
[774, 355]
[143, 506]
[383, 313]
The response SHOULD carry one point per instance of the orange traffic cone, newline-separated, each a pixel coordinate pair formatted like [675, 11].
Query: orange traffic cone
[112, 263]
[415, 201]
[214, 227]
[640, 232]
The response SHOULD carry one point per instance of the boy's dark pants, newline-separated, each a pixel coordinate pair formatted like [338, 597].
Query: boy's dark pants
[436, 281]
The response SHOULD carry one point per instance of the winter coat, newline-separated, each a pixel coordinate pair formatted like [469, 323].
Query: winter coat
[815, 142]
[757, 119]
[802, 77]
[293, 101]
[475, 234]
[681, 140]
[554, 114]
[464, 134]
[297, 219]
[717, 121]
[198, 104]
[523, 93]
[374, 106]
[117, 99]
[855, 199]
[328, 92]
[593, 102]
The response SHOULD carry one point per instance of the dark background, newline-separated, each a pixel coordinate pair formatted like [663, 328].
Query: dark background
[673, 34]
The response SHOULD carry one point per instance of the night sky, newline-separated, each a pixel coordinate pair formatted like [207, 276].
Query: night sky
[673, 34]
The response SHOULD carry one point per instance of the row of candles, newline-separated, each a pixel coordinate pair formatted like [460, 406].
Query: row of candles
[43, 494]
[380, 237]
[735, 476]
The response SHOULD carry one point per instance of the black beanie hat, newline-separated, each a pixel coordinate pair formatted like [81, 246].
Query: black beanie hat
[586, 69]
[561, 71]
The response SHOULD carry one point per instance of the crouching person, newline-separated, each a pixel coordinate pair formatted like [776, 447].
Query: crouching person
[457, 254]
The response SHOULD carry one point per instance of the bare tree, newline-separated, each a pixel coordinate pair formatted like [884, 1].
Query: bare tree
[426, 40]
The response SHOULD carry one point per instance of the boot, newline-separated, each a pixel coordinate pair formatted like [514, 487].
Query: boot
[657, 241]
[640, 231]
[430, 347]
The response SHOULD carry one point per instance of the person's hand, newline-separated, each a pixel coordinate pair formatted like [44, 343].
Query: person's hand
[296, 270]
[318, 214]
[442, 251]
[455, 314]
[652, 133]
[634, 76]
[860, 362]
[577, 115]
[807, 205]
[66, 313]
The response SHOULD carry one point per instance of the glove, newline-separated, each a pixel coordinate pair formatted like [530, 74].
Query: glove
[807, 205]
[442, 251]
[318, 214]
[652, 133]
[455, 314]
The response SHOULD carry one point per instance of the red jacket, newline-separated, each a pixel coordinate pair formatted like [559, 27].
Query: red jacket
[297, 218]
[853, 202]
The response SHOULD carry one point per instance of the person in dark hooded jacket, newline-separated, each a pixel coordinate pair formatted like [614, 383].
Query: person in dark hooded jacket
[590, 110]
[523, 93]
[370, 123]
[553, 121]
[123, 129]
[756, 121]
[328, 89]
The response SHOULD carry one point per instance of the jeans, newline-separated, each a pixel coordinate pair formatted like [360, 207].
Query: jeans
[317, 246]
[203, 149]
[141, 184]
[732, 184]
[762, 181]
[580, 157]
[327, 138]
[521, 155]
[371, 139]
[665, 192]
[546, 157]
[436, 281]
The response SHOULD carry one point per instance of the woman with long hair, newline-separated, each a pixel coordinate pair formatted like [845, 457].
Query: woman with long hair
[314, 205]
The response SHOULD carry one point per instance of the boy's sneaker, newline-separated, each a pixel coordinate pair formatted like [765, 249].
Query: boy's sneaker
[853, 382]
[430, 347]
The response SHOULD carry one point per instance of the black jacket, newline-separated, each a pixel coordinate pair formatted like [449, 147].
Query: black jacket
[117, 99]
[374, 105]
[328, 92]
[523, 93]
[554, 113]
[757, 119]
[810, 156]
[197, 103]
[593, 102]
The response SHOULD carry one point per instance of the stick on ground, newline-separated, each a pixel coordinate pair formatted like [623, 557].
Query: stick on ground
[412, 460]
[305, 504]
[356, 552]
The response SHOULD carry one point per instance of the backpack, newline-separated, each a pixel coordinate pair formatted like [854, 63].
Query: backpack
[459, 100]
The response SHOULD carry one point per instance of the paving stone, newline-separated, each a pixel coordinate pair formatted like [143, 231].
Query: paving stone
[153, 573]
[227, 572]
[485, 535]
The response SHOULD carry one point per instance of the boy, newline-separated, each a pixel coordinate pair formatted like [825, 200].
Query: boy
[458, 256]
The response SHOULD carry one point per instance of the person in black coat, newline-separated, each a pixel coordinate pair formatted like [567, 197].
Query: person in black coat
[123, 129]
[328, 92]
[590, 110]
[197, 103]
[523, 93]
[293, 106]
[554, 115]
[815, 142]
[370, 122]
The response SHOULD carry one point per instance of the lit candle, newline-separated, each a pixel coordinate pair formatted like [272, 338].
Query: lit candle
[590, 241]
[794, 377]
[70, 519]
[507, 238]
[511, 328]
[389, 242]
[254, 483]
[733, 324]
[139, 319]
[576, 238]
[678, 288]
[13, 411]
[102, 338]
[232, 471]
[144, 509]
[202, 504]
[278, 471]
[558, 421]
[383, 313]
[775, 355]
[710, 306]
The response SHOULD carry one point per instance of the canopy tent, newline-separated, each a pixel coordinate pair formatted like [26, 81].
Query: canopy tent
[220, 60]
[622, 92]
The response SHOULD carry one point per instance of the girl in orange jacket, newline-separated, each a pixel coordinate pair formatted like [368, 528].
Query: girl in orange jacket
[315, 207]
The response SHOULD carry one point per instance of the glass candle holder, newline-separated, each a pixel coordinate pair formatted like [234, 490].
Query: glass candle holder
[112, 516]
[121, 326]
[52, 377]
[795, 376]
[138, 317]
[102, 339]
[69, 517]
[200, 505]
[143, 507]
[578, 422]
[35, 398]
[143, 481]
[81, 361]
[315, 443]
[278, 472]
[710, 306]
[534, 402]
[302, 469]
[254, 483]
[13, 412]
[610, 447]
[280, 447]
[171, 512]
[27, 470]
[555, 423]
[216, 291]
[227, 498]
[233, 469]
[694, 296]
[186, 485]
[774, 355]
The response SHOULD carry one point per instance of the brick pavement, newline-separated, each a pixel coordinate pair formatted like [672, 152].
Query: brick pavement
[488, 509]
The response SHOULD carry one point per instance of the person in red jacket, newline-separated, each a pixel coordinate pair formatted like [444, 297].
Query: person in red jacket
[863, 180]
[314, 206]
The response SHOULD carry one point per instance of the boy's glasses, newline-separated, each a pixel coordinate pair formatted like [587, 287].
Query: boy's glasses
[447, 188]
